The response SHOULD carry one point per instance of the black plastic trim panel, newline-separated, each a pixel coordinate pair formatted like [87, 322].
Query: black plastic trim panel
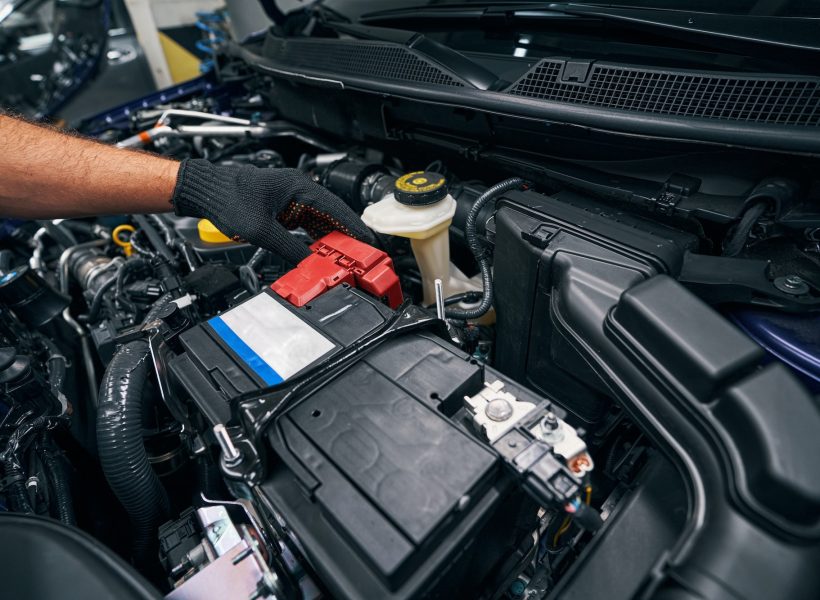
[792, 101]
[382, 60]
[738, 133]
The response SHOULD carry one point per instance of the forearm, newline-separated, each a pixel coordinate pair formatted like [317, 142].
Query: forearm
[48, 174]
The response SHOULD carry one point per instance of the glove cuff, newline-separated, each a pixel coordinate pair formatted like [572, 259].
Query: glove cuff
[199, 186]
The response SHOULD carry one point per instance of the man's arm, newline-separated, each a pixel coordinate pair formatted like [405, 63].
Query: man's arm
[45, 174]
[48, 174]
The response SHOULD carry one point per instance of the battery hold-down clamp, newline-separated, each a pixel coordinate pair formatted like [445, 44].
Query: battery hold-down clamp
[337, 259]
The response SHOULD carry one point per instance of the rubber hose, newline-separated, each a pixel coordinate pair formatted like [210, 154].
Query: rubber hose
[56, 365]
[130, 265]
[59, 484]
[736, 243]
[16, 490]
[478, 251]
[120, 443]
[96, 303]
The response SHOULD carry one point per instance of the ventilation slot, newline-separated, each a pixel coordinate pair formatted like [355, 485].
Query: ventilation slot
[370, 59]
[752, 99]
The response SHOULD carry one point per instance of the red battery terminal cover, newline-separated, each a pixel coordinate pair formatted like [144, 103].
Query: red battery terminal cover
[336, 259]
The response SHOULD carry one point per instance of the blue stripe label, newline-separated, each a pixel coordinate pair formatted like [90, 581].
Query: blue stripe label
[251, 358]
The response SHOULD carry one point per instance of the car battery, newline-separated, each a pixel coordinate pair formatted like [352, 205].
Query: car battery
[265, 341]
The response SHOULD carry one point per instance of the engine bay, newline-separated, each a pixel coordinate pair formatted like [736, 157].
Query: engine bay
[519, 384]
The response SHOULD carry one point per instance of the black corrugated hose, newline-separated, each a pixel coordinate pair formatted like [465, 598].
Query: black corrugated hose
[120, 442]
[479, 251]
[55, 471]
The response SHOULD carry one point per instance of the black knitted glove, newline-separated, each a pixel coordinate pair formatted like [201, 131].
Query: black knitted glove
[259, 205]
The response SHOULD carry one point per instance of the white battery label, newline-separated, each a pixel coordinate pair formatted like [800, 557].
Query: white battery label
[270, 339]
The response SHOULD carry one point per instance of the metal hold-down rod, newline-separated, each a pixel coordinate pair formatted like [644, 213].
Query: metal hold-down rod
[439, 299]
[230, 453]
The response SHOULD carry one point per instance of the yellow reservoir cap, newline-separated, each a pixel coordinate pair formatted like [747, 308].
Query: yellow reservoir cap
[420, 188]
[209, 233]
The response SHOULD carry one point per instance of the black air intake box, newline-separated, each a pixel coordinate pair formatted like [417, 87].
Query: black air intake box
[536, 239]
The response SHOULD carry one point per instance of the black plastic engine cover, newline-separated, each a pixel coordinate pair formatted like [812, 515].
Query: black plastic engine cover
[387, 496]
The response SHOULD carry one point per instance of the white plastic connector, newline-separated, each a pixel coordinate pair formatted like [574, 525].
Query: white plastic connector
[495, 411]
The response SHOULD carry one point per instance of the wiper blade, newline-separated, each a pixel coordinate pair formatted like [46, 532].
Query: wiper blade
[786, 33]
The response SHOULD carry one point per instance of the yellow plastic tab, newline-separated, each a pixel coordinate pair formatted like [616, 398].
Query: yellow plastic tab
[209, 233]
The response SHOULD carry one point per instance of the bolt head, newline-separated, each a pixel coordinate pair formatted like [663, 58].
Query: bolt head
[792, 284]
[550, 421]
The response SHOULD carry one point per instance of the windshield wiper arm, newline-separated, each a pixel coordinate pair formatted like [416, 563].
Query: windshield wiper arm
[785, 33]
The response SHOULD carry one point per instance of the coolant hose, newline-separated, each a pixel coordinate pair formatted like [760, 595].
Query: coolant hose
[120, 442]
[479, 252]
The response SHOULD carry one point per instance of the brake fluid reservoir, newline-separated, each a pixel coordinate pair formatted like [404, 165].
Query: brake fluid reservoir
[421, 209]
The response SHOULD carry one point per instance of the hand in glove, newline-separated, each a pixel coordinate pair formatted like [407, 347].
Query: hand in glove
[260, 205]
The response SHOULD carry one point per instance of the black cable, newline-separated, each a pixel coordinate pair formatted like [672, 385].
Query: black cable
[479, 252]
[434, 166]
[136, 243]
[16, 488]
[154, 238]
[468, 297]
[308, 165]
[247, 272]
[737, 241]
[164, 230]
[130, 265]
[55, 473]
[11, 459]
[96, 303]
[56, 365]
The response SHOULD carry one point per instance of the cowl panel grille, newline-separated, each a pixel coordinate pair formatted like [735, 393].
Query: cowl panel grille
[371, 59]
[779, 101]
